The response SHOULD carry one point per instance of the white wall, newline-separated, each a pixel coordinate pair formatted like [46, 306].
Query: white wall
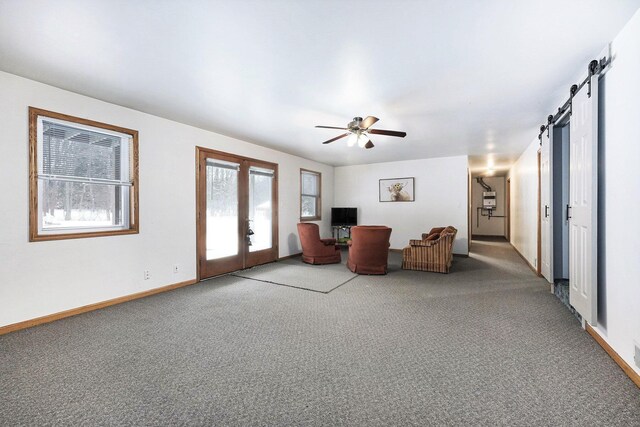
[486, 226]
[524, 203]
[619, 275]
[619, 194]
[440, 197]
[41, 278]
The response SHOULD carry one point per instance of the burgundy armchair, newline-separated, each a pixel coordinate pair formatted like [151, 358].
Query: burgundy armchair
[316, 250]
[369, 249]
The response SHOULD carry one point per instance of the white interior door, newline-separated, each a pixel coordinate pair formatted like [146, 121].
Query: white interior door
[546, 244]
[583, 201]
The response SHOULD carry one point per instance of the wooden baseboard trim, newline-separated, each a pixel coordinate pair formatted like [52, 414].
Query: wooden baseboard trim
[535, 271]
[615, 356]
[290, 256]
[91, 307]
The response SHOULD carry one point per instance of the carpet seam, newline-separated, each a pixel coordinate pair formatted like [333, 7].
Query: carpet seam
[293, 286]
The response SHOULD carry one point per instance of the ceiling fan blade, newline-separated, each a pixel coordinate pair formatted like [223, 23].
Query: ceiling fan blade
[368, 122]
[336, 138]
[331, 127]
[369, 145]
[387, 132]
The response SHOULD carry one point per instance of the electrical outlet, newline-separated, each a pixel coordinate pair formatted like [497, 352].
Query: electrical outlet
[636, 356]
[147, 275]
[176, 268]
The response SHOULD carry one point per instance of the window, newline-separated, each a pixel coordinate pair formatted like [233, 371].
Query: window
[310, 190]
[83, 177]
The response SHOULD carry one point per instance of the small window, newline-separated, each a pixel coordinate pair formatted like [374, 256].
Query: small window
[83, 177]
[310, 191]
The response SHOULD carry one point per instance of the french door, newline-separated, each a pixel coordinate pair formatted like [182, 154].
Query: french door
[237, 222]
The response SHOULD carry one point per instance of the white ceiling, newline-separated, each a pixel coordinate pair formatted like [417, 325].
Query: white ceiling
[460, 77]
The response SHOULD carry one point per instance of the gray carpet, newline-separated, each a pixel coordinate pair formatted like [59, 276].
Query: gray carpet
[295, 274]
[485, 345]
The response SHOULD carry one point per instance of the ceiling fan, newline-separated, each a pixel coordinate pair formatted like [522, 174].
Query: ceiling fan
[358, 131]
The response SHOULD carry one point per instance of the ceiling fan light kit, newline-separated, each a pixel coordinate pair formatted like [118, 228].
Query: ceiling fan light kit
[362, 140]
[358, 131]
[359, 138]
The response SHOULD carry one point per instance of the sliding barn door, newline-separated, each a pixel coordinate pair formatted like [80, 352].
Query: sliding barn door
[546, 248]
[583, 201]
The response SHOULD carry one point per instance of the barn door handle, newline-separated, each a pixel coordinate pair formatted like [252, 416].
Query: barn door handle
[546, 211]
[568, 212]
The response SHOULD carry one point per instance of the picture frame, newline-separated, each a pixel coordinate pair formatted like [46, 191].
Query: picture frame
[396, 190]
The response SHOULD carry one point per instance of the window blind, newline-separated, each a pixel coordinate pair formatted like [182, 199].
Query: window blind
[77, 154]
[253, 170]
[222, 164]
[310, 183]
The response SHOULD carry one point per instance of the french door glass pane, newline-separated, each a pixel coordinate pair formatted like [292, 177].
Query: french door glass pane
[260, 208]
[222, 209]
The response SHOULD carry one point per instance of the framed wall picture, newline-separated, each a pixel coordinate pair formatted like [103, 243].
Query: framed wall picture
[397, 190]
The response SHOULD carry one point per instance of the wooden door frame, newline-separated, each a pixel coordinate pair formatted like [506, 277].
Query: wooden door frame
[539, 249]
[202, 153]
[266, 255]
[243, 194]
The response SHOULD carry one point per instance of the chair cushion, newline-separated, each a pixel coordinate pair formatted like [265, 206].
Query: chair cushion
[437, 230]
[433, 236]
[448, 230]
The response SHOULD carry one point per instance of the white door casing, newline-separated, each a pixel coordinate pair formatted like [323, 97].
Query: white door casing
[546, 247]
[583, 202]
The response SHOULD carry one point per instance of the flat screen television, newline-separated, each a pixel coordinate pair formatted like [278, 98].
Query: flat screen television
[344, 216]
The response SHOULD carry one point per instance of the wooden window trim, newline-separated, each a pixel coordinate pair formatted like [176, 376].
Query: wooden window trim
[134, 223]
[318, 216]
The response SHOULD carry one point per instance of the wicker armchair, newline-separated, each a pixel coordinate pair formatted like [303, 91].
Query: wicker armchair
[434, 252]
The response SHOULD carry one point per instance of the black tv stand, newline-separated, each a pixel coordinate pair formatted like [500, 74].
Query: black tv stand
[335, 233]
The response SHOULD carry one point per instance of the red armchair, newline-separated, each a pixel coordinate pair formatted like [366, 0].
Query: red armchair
[369, 249]
[316, 250]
